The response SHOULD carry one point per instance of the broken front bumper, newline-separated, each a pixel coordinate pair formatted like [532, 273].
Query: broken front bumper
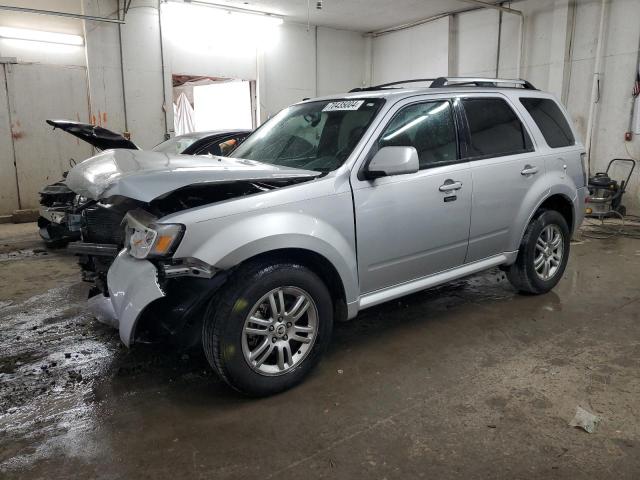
[133, 285]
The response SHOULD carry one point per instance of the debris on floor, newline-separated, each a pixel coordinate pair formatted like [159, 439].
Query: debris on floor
[585, 420]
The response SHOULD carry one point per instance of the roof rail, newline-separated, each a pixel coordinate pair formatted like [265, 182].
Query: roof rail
[391, 84]
[480, 82]
[453, 82]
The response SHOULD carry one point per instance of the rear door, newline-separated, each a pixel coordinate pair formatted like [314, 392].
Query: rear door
[564, 158]
[503, 164]
[411, 226]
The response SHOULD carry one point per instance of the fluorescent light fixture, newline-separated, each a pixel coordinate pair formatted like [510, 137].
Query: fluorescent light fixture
[40, 36]
[190, 28]
[263, 18]
[234, 9]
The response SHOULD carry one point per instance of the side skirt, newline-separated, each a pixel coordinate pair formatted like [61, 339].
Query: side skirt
[397, 291]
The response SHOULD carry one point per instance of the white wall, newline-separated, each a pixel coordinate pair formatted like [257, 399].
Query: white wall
[25, 124]
[469, 31]
[618, 74]
[287, 70]
[297, 63]
[28, 51]
[303, 64]
[418, 52]
[289, 64]
[143, 75]
[340, 60]
[558, 56]
[103, 63]
[200, 41]
[568, 72]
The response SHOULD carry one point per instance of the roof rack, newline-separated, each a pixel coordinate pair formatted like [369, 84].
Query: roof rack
[391, 84]
[454, 82]
[480, 82]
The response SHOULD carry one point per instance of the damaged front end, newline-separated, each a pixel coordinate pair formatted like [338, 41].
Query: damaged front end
[148, 294]
[152, 300]
[102, 223]
[126, 251]
[57, 223]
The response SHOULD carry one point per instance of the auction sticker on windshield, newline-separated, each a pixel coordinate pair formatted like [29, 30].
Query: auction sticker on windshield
[344, 105]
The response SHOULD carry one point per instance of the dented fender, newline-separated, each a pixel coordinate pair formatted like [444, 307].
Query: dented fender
[227, 241]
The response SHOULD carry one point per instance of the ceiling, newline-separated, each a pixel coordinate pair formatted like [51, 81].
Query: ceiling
[358, 15]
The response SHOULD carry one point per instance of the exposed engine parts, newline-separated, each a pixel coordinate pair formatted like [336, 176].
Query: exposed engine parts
[101, 230]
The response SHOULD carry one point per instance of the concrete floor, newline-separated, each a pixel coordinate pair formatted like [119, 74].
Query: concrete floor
[466, 381]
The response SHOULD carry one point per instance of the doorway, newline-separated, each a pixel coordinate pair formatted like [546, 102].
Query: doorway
[213, 103]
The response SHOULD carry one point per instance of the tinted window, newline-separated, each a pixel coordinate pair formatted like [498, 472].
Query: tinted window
[494, 128]
[550, 120]
[429, 127]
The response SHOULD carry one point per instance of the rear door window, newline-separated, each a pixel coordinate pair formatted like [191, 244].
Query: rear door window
[550, 120]
[494, 129]
[429, 127]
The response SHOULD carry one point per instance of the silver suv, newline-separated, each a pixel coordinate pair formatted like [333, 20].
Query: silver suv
[332, 206]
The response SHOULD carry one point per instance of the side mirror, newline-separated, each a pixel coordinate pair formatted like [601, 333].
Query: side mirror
[392, 161]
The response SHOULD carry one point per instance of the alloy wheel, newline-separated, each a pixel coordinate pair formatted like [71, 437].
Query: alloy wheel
[280, 331]
[548, 252]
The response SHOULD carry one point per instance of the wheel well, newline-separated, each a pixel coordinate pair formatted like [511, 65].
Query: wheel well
[562, 205]
[320, 266]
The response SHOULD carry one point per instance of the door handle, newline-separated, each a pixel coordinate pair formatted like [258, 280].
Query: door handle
[529, 170]
[450, 185]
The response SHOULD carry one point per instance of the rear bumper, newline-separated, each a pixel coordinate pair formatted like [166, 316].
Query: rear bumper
[133, 285]
[579, 207]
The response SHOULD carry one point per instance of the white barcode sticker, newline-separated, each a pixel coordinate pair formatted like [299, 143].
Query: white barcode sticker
[344, 105]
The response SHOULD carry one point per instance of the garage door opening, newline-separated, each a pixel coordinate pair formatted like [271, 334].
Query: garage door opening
[209, 103]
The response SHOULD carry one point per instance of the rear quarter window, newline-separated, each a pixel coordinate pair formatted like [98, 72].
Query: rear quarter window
[494, 128]
[550, 120]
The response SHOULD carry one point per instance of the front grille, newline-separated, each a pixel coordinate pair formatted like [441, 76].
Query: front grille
[101, 224]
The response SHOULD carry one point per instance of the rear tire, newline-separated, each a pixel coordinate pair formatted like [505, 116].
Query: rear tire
[543, 254]
[251, 335]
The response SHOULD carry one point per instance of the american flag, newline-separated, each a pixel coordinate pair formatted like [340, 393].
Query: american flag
[636, 86]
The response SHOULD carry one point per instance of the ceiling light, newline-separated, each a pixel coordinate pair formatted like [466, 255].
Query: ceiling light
[40, 36]
[269, 18]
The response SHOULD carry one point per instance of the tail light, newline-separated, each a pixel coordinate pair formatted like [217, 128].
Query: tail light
[583, 162]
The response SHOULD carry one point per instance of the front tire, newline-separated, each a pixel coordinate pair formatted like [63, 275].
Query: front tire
[268, 327]
[543, 254]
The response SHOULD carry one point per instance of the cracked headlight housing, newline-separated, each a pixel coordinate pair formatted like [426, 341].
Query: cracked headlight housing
[147, 239]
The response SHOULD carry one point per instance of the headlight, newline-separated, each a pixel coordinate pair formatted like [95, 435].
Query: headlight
[146, 238]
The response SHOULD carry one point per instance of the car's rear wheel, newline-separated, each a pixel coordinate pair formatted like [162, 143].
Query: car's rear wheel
[268, 327]
[543, 254]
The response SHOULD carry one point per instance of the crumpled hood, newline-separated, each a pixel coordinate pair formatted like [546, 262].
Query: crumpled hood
[143, 175]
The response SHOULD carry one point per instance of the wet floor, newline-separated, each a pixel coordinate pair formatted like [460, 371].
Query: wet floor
[466, 381]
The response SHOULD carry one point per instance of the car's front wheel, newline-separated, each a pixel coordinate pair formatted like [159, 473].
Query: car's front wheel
[268, 327]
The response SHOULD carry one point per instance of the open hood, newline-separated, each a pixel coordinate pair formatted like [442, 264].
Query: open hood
[99, 137]
[145, 176]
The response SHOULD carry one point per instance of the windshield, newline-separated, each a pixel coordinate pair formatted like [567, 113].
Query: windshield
[175, 145]
[313, 136]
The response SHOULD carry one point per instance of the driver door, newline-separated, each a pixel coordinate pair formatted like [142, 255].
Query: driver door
[414, 225]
